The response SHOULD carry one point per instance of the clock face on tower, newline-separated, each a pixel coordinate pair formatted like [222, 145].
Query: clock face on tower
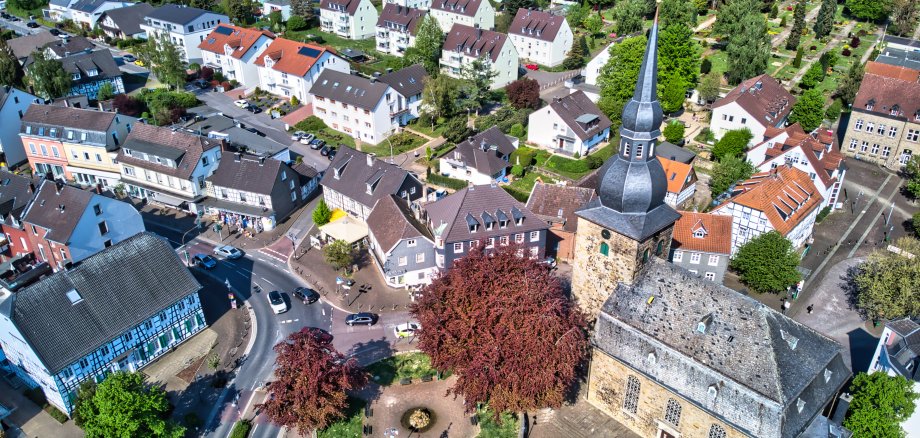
[605, 234]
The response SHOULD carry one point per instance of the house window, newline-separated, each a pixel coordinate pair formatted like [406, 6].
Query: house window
[519, 238]
[410, 242]
[403, 261]
[695, 257]
[864, 147]
[893, 132]
[639, 151]
[672, 412]
[886, 151]
[32, 148]
[716, 431]
[870, 127]
[711, 276]
[858, 126]
[645, 255]
[701, 233]
[713, 260]
[54, 151]
[44, 150]
[63, 253]
[534, 236]
[853, 143]
[458, 248]
[103, 228]
[420, 258]
[534, 251]
[204, 160]
[678, 256]
[631, 398]
[605, 248]
[503, 240]
[97, 209]
[659, 247]
[912, 135]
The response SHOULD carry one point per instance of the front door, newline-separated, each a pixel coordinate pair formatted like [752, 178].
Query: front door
[663, 434]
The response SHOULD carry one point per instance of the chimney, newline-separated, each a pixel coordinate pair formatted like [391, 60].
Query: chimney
[238, 156]
[261, 161]
[58, 187]
[370, 159]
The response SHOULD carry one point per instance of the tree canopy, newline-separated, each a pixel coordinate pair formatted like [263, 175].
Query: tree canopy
[164, 59]
[312, 380]
[679, 54]
[732, 143]
[748, 49]
[767, 263]
[888, 285]
[824, 23]
[504, 325]
[476, 84]
[709, 86]
[440, 96]
[677, 12]
[575, 59]
[870, 10]
[428, 42]
[903, 17]
[629, 15]
[729, 20]
[524, 93]
[808, 111]
[880, 404]
[48, 77]
[674, 131]
[123, 406]
[729, 170]
[576, 14]
[304, 9]
[673, 94]
[339, 254]
[11, 73]
[321, 214]
[849, 84]
[618, 77]
[912, 177]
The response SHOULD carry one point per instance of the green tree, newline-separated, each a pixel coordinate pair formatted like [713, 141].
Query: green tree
[679, 53]
[674, 131]
[798, 26]
[11, 72]
[123, 406]
[869, 10]
[880, 404]
[677, 12]
[849, 84]
[618, 77]
[824, 23]
[812, 77]
[728, 171]
[808, 111]
[767, 263]
[797, 61]
[239, 11]
[701, 6]
[440, 95]
[576, 15]
[207, 5]
[903, 17]
[749, 49]
[709, 86]
[593, 23]
[457, 130]
[916, 224]
[628, 15]
[732, 143]
[428, 42]
[106, 91]
[730, 18]
[673, 94]
[833, 111]
[321, 214]
[339, 254]
[576, 57]
[304, 9]
[164, 59]
[296, 22]
[511, 6]
[888, 284]
[82, 408]
[48, 77]
[912, 176]
[477, 76]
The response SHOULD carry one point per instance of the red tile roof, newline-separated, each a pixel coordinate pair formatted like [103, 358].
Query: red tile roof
[536, 24]
[240, 39]
[676, 174]
[812, 146]
[786, 195]
[893, 71]
[717, 232]
[888, 96]
[289, 58]
[762, 97]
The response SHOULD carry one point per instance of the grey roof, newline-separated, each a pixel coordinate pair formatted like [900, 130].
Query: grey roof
[178, 14]
[121, 287]
[236, 135]
[900, 58]
[486, 152]
[581, 114]
[24, 46]
[15, 193]
[71, 45]
[64, 3]
[902, 351]
[88, 6]
[128, 19]
[902, 41]
[400, 18]
[39, 119]
[408, 81]
[57, 207]
[354, 175]
[100, 62]
[759, 361]
[642, 115]
[451, 216]
[391, 221]
[674, 152]
[349, 89]
[247, 173]
[183, 148]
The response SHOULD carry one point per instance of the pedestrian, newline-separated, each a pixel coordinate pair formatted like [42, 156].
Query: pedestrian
[786, 306]
[811, 308]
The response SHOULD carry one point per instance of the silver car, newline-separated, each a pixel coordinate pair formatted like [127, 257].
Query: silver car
[228, 252]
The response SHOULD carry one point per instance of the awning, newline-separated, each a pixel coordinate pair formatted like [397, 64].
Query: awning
[171, 201]
[234, 207]
[347, 228]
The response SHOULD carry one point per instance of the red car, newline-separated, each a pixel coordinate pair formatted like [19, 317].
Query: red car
[533, 67]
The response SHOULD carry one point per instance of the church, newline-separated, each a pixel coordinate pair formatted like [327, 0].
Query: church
[675, 355]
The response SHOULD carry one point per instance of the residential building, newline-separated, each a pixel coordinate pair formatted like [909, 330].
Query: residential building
[898, 354]
[367, 109]
[592, 69]
[23, 46]
[417, 4]
[252, 192]
[702, 244]
[556, 205]
[64, 47]
[815, 154]
[884, 126]
[352, 19]
[236, 136]
[755, 104]
[540, 36]
[483, 215]
[783, 199]
[471, 13]
[901, 43]
[282, 6]
[903, 57]
[232, 50]
[408, 84]
[59, 10]
[75, 144]
[397, 27]
[571, 124]
[124, 23]
[85, 13]
[67, 224]
[681, 182]
[356, 181]
[13, 105]
[16, 193]
[289, 68]
[118, 310]
[402, 247]
[893, 71]
[90, 71]
[183, 26]
[674, 152]
[167, 166]
[465, 44]
[481, 159]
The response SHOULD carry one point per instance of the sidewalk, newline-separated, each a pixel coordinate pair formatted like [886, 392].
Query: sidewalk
[33, 421]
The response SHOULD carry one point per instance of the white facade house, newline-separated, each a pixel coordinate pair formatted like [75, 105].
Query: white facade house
[408, 84]
[283, 6]
[59, 10]
[85, 13]
[361, 108]
[681, 181]
[183, 26]
[570, 124]
[755, 104]
[397, 27]
[592, 69]
[121, 23]
[13, 105]
[897, 354]
[541, 37]
[416, 4]
[233, 51]
[481, 159]
[472, 13]
[289, 68]
[783, 200]
[353, 19]
[465, 44]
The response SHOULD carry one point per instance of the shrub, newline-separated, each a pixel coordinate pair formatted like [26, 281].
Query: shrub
[517, 170]
[444, 181]
[846, 52]
[457, 130]
[295, 101]
[310, 124]
[242, 427]
[296, 22]
[782, 22]
[517, 130]
[577, 155]
[705, 66]
[504, 118]
[833, 111]
[523, 156]
[855, 42]
[823, 214]
[594, 162]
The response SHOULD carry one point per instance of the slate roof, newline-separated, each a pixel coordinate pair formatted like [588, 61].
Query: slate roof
[349, 89]
[71, 45]
[751, 354]
[100, 62]
[291, 57]
[893, 71]
[24, 46]
[674, 153]
[448, 217]
[462, 7]
[903, 348]
[128, 19]
[485, 151]
[474, 42]
[241, 39]
[536, 24]
[57, 207]
[903, 58]
[121, 287]
[408, 81]
[785, 195]
[355, 174]
[557, 203]
[676, 174]
[348, 6]
[391, 221]
[762, 97]
[237, 136]
[400, 18]
[571, 109]
[39, 119]
[177, 14]
[184, 148]
[15, 193]
[247, 173]
[88, 6]
[889, 97]
[717, 230]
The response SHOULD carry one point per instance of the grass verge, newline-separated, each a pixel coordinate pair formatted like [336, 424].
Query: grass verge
[241, 429]
[348, 427]
[489, 428]
[401, 366]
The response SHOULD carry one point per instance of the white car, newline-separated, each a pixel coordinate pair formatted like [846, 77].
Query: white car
[228, 252]
[277, 302]
[306, 138]
[242, 103]
[297, 135]
[406, 330]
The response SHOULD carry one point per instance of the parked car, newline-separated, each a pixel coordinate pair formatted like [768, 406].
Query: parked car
[316, 144]
[307, 295]
[54, 31]
[32, 25]
[549, 261]
[331, 154]
[228, 252]
[533, 67]
[363, 318]
[204, 260]
[277, 302]
[325, 150]
[307, 138]
[253, 109]
[127, 57]
[201, 83]
[297, 135]
[406, 330]
[242, 103]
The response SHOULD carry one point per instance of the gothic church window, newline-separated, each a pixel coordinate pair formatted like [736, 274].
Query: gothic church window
[672, 412]
[605, 248]
[631, 400]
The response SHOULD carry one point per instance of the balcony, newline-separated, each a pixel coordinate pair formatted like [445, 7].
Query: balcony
[343, 18]
[383, 45]
[383, 34]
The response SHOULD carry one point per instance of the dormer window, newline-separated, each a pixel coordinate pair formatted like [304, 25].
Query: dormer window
[93, 72]
[699, 233]
[703, 324]
[75, 76]
[799, 405]
[827, 375]
[652, 358]
[791, 340]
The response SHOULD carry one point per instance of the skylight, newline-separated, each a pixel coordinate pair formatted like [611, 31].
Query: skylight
[74, 296]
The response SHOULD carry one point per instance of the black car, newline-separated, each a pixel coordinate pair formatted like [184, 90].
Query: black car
[363, 318]
[55, 32]
[32, 25]
[255, 131]
[325, 150]
[254, 109]
[316, 144]
[331, 154]
[305, 294]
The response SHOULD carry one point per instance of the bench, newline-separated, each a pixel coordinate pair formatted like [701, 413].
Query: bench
[405, 381]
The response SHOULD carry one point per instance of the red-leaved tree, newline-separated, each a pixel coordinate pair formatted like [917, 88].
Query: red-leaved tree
[524, 93]
[312, 381]
[503, 324]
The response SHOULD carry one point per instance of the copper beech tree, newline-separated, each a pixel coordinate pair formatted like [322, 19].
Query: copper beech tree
[312, 381]
[503, 324]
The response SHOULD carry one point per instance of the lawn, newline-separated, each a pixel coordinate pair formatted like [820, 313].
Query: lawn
[576, 169]
[401, 366]
[437, 131]
[719, 61]
[332, 40]
[489, 428]
[402, 142]
[520, 188]
[350, 426]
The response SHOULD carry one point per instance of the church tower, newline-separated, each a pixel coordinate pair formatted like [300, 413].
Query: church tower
[628, 222]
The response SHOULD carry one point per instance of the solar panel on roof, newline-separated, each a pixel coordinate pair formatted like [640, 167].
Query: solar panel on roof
[308, 51]
[224, 30]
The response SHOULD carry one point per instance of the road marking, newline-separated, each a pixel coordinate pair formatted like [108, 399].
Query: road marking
[252, 432]
[872, 224]
[267, 281]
